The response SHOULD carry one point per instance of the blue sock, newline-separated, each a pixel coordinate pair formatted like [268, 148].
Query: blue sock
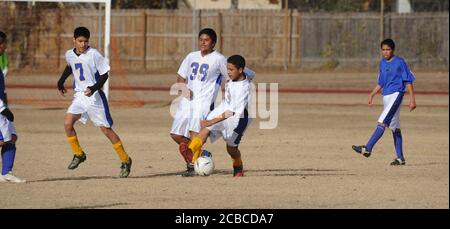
[375, 137]
[398, 142]
[8, 155]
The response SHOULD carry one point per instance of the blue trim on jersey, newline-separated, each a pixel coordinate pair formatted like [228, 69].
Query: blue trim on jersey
[106, 106]
[211, 107]
[97, 76]
[219, 79]
[398, 101]
[242, 125]
[1, 136]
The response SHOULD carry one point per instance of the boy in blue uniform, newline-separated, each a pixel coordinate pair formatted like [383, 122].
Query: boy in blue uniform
[8, 135]
[393, 78]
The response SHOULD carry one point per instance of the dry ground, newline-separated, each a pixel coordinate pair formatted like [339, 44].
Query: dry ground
[306, 162]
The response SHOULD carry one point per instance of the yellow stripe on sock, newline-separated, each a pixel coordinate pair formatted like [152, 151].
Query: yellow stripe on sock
[76, 148]
[121, 151]
[196, 148]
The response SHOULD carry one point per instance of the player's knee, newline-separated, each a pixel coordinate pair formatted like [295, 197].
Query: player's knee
[382, 125]
[14, 138]
[105, 130]
[233, 151]
[68, 124]
[396, 130]
[2, 143]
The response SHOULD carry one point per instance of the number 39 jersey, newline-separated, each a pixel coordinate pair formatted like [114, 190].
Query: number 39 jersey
[86, 67]
[204, 74]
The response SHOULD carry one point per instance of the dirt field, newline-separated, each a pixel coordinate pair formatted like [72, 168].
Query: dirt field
[306, 162]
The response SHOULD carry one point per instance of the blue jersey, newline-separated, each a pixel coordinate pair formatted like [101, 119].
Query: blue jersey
[394, 75]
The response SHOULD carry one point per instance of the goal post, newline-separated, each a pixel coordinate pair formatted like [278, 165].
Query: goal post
[107, 25]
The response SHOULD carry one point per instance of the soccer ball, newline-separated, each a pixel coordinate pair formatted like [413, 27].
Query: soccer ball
[204, 165]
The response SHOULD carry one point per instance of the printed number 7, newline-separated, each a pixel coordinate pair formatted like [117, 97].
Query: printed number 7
[80, 67]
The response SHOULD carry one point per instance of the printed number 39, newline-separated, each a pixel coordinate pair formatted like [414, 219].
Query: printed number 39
[202, 71]
[80, 67]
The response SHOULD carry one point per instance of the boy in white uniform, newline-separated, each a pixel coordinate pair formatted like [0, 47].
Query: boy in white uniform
[8, 135]
[230, 119]
[202, 73]
[90, 71]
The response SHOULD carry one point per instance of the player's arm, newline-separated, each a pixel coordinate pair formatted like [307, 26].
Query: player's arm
[375, 91]
[220, 118]
[412, 97]
[99, 84]
[66, 73]
[6, 112]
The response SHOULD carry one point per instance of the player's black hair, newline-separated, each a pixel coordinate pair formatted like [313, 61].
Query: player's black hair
[210, 32]
[81, 31]
[2, 37]
[389, 42]
[237, 60]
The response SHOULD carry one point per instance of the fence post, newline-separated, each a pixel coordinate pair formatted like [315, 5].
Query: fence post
[219, 31]
[299, 43]
[286, 36]
[145, 41]
[382, 20]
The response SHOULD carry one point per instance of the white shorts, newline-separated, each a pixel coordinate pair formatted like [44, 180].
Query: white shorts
[231, 129]
[188, 116]
[7, 129]
[95, 108]
[391, 113]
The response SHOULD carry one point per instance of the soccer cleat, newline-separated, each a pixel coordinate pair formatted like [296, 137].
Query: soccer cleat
[125, 168]
[361, 150]
[398, 161]
[185, 152]
[77, 160]
[11, 178]
[238, 171]
[190, 172]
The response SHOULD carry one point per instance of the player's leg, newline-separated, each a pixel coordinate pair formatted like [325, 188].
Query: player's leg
[79, 155]
[8, 154]
[235, 154]
[99, 114]
[179, 131]
[398, 140]
[398, 143]
[120, 150]
[392, 104]
[197, 142]
[234, 131]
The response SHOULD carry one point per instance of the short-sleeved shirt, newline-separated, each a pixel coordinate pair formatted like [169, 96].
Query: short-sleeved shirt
[237, 96]
[394, 75]
[204, 74]
[86, 67]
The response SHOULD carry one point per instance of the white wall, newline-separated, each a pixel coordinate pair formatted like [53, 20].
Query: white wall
[259, 4]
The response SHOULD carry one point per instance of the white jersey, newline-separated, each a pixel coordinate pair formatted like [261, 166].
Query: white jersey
[237, 99]
[204, 74]
[86, 67]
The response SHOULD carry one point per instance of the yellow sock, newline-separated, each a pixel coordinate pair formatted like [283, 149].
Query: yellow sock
[76, 148]
[237, 162]
[196, 147]
[120, 151]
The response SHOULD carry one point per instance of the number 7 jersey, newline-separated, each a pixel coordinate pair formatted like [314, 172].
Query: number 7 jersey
[86, 67]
